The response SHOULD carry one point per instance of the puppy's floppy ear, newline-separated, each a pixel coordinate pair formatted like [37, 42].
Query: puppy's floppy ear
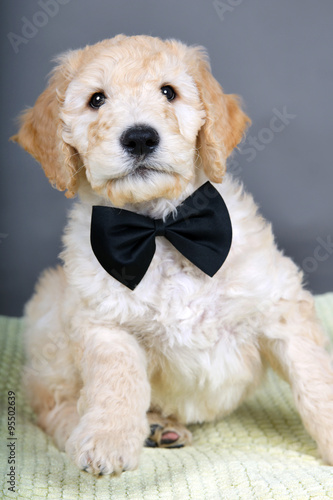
[41, 128]
[225, 121]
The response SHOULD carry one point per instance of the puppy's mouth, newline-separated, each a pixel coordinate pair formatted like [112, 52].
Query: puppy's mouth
[143, 171]
[143, 182]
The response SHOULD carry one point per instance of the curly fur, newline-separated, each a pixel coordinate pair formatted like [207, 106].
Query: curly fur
[183, 344]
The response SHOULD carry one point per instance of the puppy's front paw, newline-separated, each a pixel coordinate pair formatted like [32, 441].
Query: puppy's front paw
[105, 449]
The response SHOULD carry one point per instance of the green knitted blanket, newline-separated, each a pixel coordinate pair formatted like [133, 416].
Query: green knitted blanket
[259, 452]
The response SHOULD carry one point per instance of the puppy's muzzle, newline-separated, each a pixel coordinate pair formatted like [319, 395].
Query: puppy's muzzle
[140, 140]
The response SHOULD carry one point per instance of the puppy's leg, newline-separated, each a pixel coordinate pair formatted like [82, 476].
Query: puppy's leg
[56, 418]
[166, 432]
[51, 382]
[295, 349]
[113, 403]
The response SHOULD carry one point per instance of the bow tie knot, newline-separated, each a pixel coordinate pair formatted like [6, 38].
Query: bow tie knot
[124, 242]
[160, 227]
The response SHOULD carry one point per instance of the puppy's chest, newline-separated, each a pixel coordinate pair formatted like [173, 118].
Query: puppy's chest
[180, 304]
[175, 304]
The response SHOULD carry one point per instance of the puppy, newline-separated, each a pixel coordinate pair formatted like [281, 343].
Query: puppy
[138, 124]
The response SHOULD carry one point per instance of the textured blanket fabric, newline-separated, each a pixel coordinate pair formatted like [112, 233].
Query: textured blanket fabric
[260, 452]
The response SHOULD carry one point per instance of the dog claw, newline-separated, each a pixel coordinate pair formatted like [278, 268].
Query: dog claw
[149, 443]
[154, 427]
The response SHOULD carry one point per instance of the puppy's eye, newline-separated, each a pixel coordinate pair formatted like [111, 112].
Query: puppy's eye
[169, 92]
[97, 100]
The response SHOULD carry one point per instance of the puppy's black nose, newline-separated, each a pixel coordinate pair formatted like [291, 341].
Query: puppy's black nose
[140, 140]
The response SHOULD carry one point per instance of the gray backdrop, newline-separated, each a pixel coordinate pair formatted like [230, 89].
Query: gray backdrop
[277, 55]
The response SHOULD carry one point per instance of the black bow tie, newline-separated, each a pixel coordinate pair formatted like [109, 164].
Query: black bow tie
[124, 242]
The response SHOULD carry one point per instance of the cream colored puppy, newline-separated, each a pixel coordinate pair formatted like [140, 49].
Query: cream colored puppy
[182, 346]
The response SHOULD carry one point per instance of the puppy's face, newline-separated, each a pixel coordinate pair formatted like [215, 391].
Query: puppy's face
[133, 113]
[137, 116]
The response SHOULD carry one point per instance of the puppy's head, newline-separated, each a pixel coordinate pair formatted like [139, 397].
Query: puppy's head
[137, 116]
